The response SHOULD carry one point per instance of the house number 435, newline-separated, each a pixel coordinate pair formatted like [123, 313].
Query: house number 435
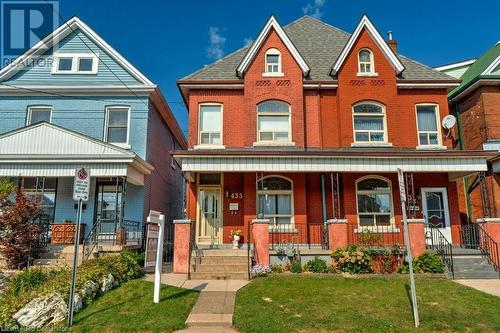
[236, 195]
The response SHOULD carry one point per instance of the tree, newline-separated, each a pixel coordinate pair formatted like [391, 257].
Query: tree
[17, 231]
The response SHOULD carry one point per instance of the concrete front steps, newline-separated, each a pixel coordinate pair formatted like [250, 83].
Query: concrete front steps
[472, 264]
[219, 264]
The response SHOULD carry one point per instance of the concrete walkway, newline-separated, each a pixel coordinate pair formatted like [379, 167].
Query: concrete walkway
[213, 311]
[489, 286]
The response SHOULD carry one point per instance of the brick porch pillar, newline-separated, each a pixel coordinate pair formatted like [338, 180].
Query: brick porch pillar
[492, 227]
[182, 235]
[337, 233]
[416, 234]
[260, 235]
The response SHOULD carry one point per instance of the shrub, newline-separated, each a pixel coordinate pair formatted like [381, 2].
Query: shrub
[277, 268]
[428, 262]
[352, 259]
[27, 281]
[296, 267]
[259, 270]
[316, 265]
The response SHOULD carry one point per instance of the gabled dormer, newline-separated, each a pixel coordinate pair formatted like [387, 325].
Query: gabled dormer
[365, 55]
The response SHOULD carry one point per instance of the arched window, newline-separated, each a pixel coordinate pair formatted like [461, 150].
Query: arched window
[275, 199]
[369, 122]
[273, 62]
[374, 198]
[273, 123]
[365, 62]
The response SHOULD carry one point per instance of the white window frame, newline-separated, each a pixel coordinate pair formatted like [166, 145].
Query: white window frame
[438, 132]
[371, 63]
[375, 227]
[382, 115]
[209, 145]
[273, 217]
[34, 107]
[75, 63]
[279, 73]
[273, 142]
[109, 108]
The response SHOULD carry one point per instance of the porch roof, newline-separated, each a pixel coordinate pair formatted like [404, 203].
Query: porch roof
[49, 150]
[456, 163]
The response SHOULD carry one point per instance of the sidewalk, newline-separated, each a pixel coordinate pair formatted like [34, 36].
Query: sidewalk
[489, 286]
[213, 311]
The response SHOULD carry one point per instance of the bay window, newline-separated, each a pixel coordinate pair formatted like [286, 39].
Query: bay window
[374, 201]
[210, 124]
[273, 122]
[427, 125]
[369, 122]
[275, 200]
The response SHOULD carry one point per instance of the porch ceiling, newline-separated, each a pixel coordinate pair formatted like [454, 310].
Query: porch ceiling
[333, 161]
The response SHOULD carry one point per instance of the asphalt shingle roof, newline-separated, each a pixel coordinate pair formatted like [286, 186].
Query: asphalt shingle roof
[320, 45]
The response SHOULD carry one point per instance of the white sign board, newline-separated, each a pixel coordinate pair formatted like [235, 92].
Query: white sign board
[402, 188]
[81, 186]
[157, 219]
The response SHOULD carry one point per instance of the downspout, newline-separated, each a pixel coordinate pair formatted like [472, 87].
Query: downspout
[466, 180]
[323, 197]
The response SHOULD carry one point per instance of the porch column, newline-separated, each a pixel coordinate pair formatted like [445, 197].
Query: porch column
[260, 235]
[182, 233]
[337, 233]
[416, 232]
[492, 227]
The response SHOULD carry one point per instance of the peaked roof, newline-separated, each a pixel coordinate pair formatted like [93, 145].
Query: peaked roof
[60, 33]
[320, 45]
[365, 23]
[272, 23]
[483, 68]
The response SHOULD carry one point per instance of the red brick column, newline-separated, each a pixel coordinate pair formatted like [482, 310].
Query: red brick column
[492, 227]
[260, 235]
[337, 233]
[182, 234]
[416, 232]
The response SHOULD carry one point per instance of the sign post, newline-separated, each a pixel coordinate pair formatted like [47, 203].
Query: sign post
[156, 219]
[409, 258]
[81, 190]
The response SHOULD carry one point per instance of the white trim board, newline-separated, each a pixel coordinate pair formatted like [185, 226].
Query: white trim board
[492, 66]
[64, 30]
[455, 65]
[366, 23]
[272, 23]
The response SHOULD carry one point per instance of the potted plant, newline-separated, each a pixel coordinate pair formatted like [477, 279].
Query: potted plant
[236, 234]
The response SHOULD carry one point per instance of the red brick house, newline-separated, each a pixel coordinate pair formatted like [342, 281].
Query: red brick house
[310, 124]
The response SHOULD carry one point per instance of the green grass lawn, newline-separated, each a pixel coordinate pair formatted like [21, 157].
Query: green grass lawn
[315, 303]
[130, 308]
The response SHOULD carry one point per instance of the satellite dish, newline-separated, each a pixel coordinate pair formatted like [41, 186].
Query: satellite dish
[449, 121]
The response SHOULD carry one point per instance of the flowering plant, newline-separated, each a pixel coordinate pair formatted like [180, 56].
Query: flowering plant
[352, 259]
[236, 232]
[259, 270]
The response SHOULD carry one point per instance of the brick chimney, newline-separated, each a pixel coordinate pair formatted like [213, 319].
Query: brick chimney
[393, 44]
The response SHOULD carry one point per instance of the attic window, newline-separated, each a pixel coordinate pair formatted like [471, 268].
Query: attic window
[273, 63]
[75, 63]
[366, 64]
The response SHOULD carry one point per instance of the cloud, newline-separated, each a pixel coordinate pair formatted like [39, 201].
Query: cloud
[314, 8]
[217, 42]
[247, 41]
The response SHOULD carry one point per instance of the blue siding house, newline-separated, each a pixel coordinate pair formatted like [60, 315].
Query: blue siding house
[73, 101]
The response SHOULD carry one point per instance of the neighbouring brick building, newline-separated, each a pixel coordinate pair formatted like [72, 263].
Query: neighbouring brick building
[310, 124]
[476, 103]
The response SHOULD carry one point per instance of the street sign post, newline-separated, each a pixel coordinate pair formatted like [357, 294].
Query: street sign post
[158, 219]
[402, 195]
[81, 190]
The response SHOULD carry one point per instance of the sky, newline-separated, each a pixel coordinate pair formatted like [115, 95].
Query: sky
[167, 40]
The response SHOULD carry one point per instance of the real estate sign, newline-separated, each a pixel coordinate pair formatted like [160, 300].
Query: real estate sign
[153, 232]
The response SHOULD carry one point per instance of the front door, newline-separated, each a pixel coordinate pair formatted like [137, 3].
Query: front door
[435, 209]
[108, 206]
[210, 221]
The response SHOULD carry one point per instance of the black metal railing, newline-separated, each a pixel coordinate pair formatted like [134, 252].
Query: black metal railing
[469, 236]
[45, 233]
[297, 234]
[439, 244]
[488, 247]
[91, 240]
[381, 235]
[193, 249]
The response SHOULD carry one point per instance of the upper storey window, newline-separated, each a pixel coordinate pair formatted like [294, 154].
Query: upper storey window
[273, 63]
[38, 114]
[369, 123]
[273, 122]
[366, 65]
[210, 125]
[427, 125]
[75, 63]
[117, 125]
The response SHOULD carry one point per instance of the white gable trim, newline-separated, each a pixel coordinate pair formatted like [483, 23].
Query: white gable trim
[64, 30]
[366, 23]
[272, 23]
[492, 66]
[455, 65]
